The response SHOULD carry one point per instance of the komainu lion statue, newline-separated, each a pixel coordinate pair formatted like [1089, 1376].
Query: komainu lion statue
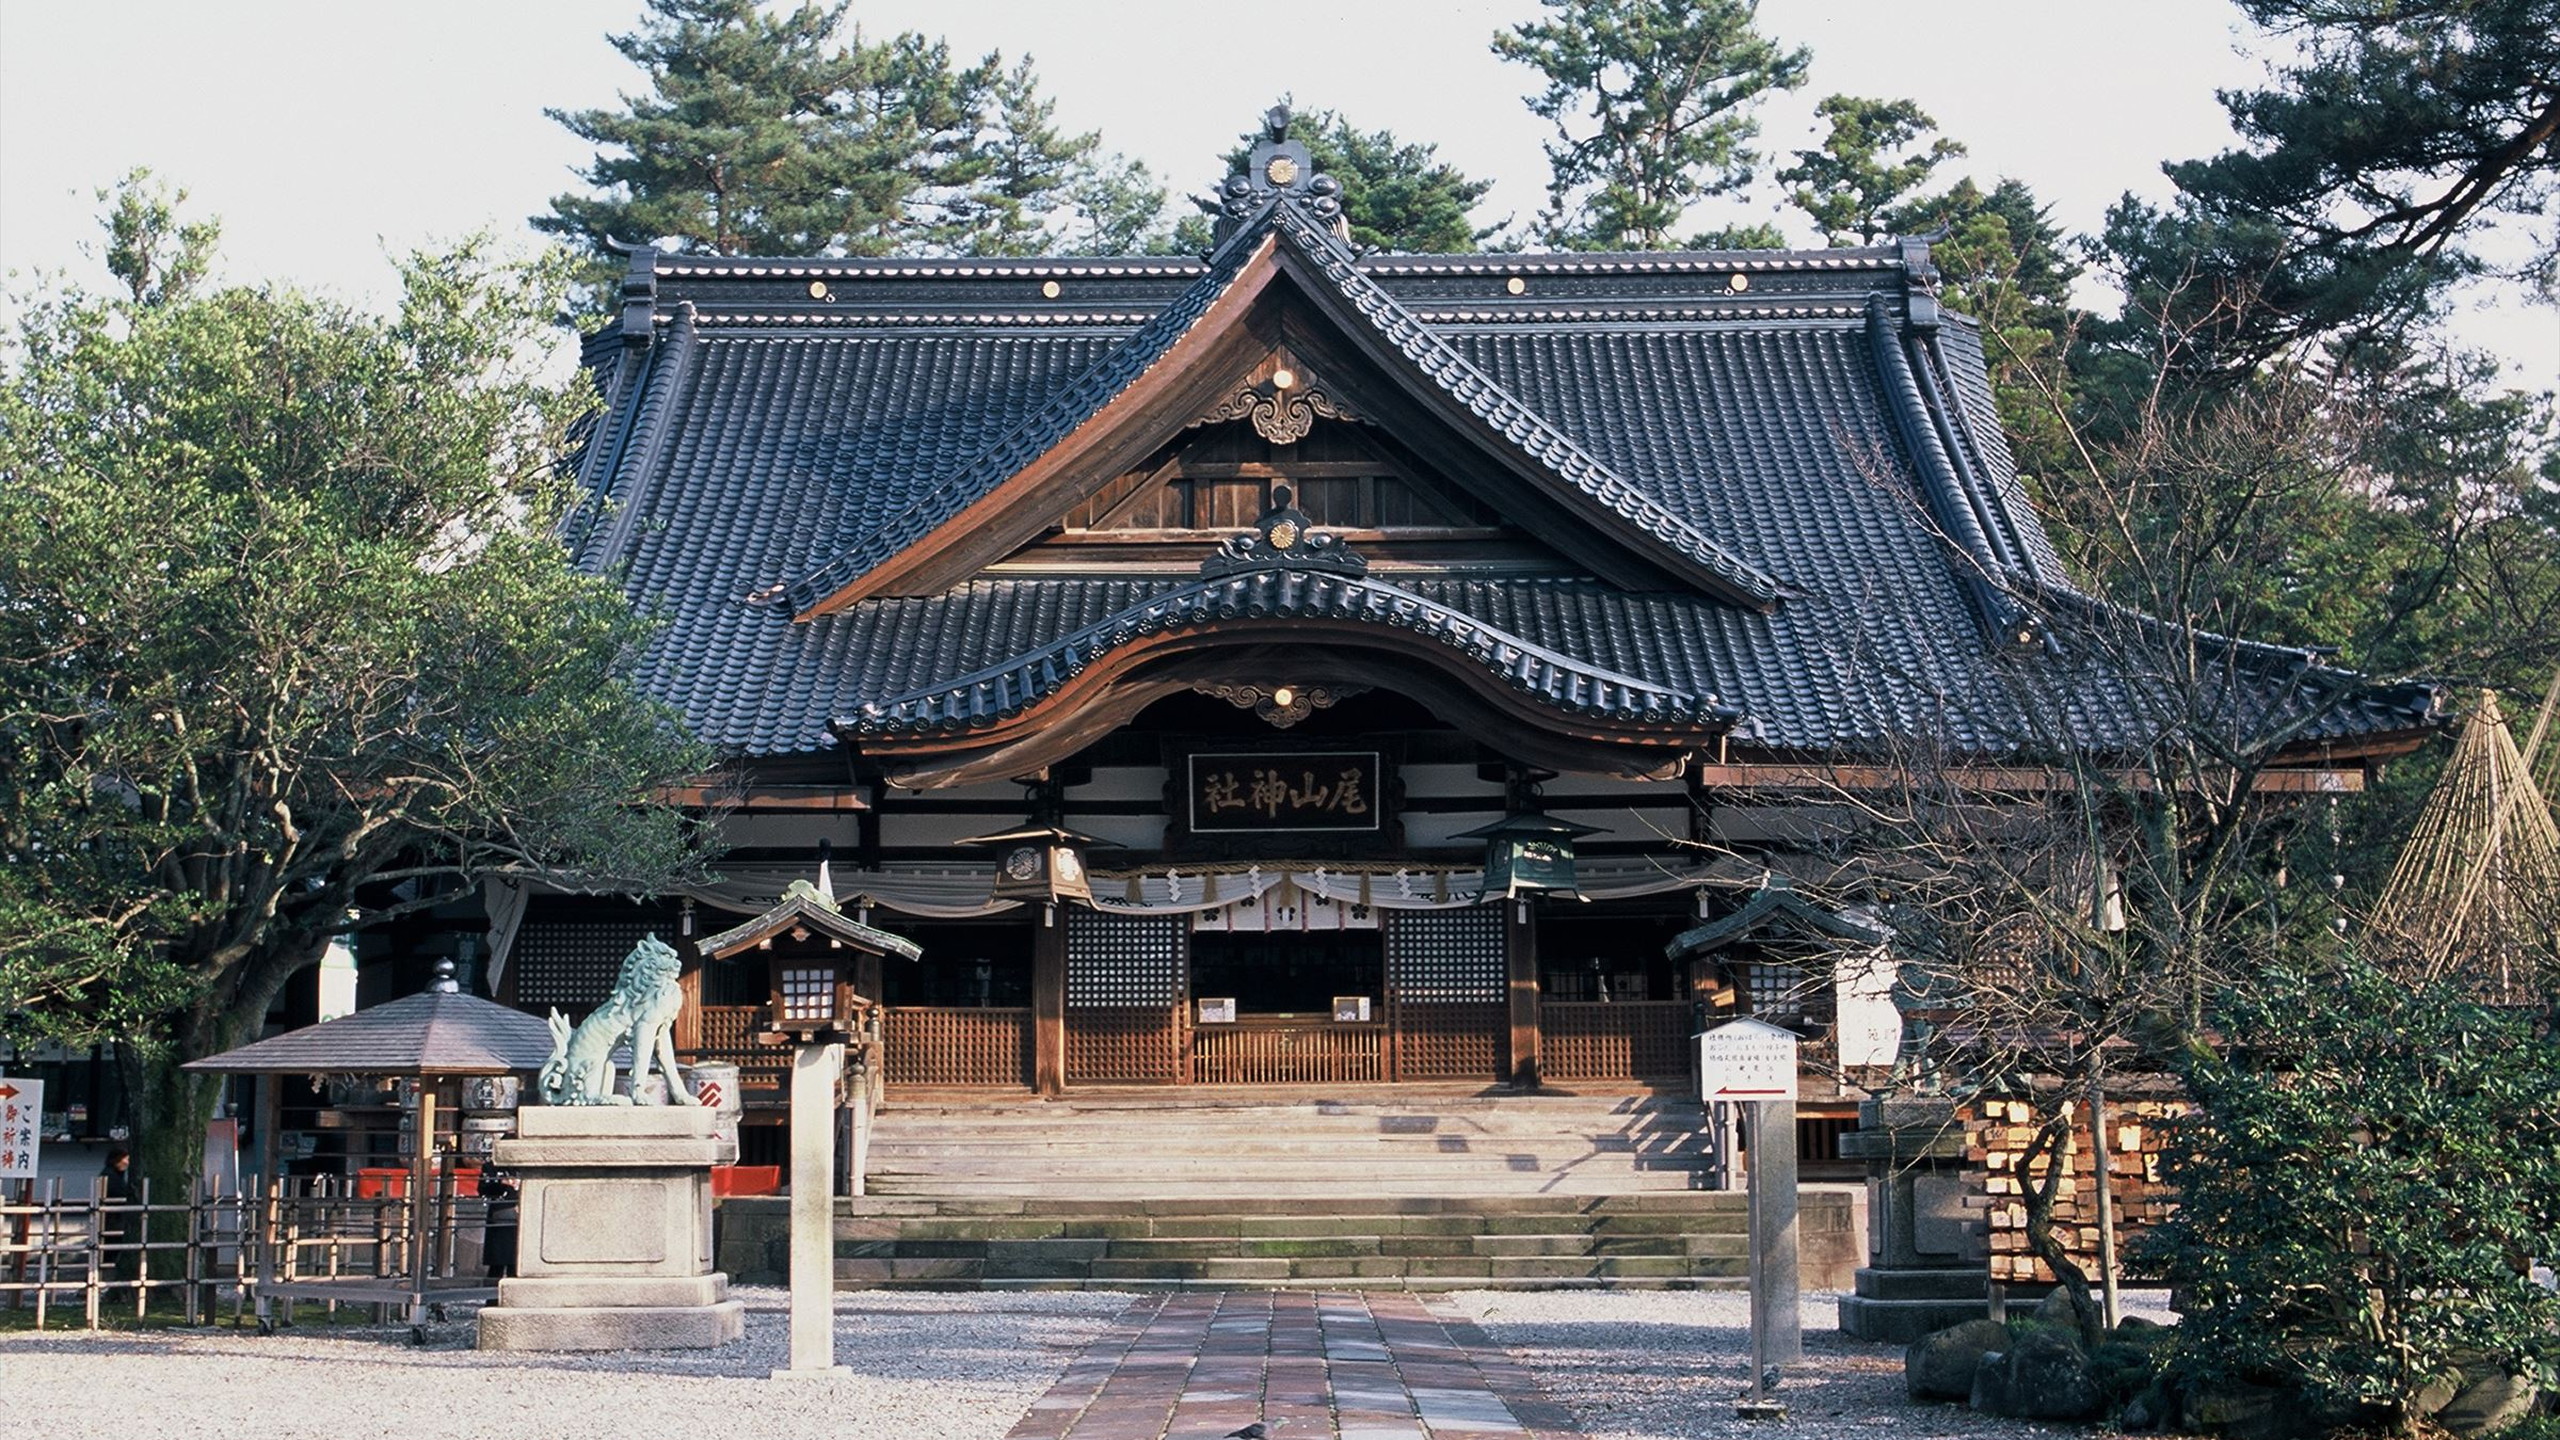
[643, 1005]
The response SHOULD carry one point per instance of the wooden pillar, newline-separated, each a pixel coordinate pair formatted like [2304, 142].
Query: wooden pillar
[1520, 969]
[1049, 1003]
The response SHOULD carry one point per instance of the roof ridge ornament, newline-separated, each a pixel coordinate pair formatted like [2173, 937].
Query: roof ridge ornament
[1285, 538]
[1279, 169]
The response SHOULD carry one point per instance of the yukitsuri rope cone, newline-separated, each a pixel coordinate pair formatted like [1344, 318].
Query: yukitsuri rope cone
[2476, 893]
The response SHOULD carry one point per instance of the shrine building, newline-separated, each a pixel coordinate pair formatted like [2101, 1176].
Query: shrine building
[1301, 666]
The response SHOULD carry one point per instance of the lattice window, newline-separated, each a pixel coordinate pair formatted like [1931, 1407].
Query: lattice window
[1445, 957]
[1787, 994]
[1117, 960]
[568, 956]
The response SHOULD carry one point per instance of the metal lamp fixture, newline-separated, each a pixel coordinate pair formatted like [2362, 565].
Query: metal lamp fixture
[1526, 851]
[1039, 862]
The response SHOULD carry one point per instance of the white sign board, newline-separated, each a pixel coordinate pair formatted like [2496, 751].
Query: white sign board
[21, 1127]
[1747, 1060]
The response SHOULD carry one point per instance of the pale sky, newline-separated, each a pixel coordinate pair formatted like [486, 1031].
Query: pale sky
[330, 134]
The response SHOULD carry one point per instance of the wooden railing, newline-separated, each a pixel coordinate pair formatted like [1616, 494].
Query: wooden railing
[1642, 1040]
[728, 1035]
[1450, 1042]
[1134, 1045]
[1270, 1050]
[957, 1045]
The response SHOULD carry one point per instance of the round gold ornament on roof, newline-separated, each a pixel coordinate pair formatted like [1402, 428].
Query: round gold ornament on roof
[1282, 170]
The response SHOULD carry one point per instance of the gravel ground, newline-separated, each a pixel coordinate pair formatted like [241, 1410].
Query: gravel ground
[1667, 1365]
[925, 1367]
[1632, 1365]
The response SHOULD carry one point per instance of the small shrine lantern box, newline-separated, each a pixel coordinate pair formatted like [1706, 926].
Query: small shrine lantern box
[811, 991]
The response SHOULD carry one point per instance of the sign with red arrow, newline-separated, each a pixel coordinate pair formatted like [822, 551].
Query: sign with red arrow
[21, 1127]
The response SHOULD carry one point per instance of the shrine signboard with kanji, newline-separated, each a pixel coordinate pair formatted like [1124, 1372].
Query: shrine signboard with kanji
[1250, 792]
[21, 1127]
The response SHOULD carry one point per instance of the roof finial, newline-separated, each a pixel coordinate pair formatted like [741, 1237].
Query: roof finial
[1278, 169]
[444, 983]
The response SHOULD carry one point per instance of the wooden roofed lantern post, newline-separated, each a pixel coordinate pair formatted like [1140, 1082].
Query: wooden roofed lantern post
[816, 1010]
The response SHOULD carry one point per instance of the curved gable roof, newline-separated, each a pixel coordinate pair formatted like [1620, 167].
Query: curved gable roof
[1242, 268]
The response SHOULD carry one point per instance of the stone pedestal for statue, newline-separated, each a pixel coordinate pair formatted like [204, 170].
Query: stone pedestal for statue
[615, 1247]
[1925, 1267]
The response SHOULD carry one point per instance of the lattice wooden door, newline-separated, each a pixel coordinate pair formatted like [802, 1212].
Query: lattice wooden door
[1444, 992]
[1127, 979]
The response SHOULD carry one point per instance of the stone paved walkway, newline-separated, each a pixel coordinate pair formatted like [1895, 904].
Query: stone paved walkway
[1360, 1366]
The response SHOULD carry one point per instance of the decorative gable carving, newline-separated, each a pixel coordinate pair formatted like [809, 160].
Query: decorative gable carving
[1280, 414]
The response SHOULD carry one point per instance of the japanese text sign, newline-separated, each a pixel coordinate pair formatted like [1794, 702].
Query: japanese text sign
[1747, 1060]
[21, 1127]
[1233, 793]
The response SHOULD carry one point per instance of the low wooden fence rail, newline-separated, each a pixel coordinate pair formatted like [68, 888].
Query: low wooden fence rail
[61, 1248]
[1271, 1053]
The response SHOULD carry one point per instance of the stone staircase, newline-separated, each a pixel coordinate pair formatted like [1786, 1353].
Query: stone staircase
[1460, 1189]
[1272, 1143]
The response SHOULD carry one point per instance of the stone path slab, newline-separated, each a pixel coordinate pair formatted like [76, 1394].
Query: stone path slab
[1357, 1366]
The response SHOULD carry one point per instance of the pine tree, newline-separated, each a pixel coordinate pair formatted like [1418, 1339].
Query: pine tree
[748, 141]
[764, 134]
[1870, 161]
[1652, 102]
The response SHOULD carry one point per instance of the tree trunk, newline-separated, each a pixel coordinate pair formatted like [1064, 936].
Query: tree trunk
[173, 1105]
[2036, 1195]
[2104, 1183]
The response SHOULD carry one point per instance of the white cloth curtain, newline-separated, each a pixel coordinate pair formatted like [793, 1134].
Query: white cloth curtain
[505, 900]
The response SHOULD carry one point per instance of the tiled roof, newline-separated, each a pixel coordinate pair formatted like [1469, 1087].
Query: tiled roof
[1818, 424]
[1570, 684]
[435, 1033]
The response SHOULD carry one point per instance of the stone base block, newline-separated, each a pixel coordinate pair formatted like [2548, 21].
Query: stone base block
[585, 1292]
[620, 1327]
[1903, 1283]
[1900, 1322]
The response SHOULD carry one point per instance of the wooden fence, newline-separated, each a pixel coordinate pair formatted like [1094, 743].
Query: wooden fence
[957, 1045]
[1256, 1052]
[61, 1249]
[1619, 1040]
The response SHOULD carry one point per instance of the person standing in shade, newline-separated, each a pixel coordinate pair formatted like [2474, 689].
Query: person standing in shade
[115, 1225]
[498, 1246]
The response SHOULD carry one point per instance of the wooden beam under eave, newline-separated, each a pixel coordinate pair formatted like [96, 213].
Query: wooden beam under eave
[753, 799]
[2024, 779]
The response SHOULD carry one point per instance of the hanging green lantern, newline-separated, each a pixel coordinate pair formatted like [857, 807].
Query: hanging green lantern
[1528, 851]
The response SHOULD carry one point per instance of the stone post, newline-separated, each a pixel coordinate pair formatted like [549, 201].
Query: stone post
[1777, 1315]
[1926, 1267]
[814, 1072]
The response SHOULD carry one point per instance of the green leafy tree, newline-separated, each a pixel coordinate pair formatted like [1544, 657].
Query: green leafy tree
[1872, 159]
[154, 254]
[2372, 1169]
[1397, 197]
[287, 644]
[1652, 101]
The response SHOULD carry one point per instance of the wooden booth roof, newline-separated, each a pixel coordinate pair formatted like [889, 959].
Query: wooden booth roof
[438, 1032]
[1766, 491]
